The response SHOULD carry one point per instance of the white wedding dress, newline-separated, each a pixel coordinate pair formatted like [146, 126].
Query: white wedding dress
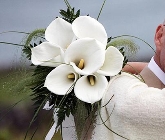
[137, 112]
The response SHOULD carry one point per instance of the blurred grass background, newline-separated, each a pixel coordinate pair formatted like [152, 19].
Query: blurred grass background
[15, 120]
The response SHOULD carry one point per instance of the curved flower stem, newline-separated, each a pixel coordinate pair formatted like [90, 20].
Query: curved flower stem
[12, 106]
[14, 32]
[30, 36]
[8, 43]
[136, 38]
[140, 78]
[37, 127]
[108, 127]
[63, 99]
[34, 133]
[101, 9]
[35, 115]
[107, 117]
[108, 101]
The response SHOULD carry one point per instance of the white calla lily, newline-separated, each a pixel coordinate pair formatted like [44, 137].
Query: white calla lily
[85, 55]
[60, 33]
[113, 62]
[85, 26]
[61, 80]
[91, 88]
[46, 54]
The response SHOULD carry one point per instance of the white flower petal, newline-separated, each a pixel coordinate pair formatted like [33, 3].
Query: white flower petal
[90, 50]
[34, 60]
[57, 80]
[46, 54]
[60, 33]
[113, 62]
[85, 26]
[88, 93]
[51, 63]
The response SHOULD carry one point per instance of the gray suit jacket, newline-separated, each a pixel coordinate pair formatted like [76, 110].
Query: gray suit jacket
[151, 79]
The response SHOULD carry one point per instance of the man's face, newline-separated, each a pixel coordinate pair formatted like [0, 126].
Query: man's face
[162, 58]
[162, 51]
[160, 46]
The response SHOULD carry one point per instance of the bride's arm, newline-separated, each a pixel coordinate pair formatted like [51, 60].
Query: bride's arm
[139, 109]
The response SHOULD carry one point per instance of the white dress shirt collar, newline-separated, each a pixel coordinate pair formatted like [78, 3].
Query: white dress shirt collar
[156, 70]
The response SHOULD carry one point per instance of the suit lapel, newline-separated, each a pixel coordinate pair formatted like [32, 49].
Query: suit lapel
[151, 79]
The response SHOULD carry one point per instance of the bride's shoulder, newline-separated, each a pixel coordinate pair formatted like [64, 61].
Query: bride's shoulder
[126, 79]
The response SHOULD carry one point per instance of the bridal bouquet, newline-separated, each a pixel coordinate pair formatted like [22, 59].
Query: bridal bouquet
[76, 60]
[73, 62]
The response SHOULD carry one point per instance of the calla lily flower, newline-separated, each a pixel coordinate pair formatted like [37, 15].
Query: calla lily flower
[85, 26]
[91, 88]
[46, 54]
[85, 55]
[61, 80]
[59, 35]
[113, 62]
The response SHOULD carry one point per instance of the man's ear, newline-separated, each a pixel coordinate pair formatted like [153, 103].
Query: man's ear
[158, 36]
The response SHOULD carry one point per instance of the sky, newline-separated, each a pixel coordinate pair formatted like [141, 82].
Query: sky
[133, 17]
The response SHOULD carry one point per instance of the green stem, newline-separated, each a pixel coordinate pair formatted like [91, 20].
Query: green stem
[14, 32]
[10, 108]
[107, 126]
[63, 99]
[8, 43]
[101, 9]
[108, 101]
[67, 4]
[34, 117]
